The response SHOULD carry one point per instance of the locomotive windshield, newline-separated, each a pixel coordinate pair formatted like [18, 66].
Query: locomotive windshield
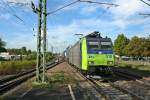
[106, 45]
[93, 45]
[99, 45]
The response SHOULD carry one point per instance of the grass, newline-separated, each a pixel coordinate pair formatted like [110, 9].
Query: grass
[143, 70]
[13, 67]
[55, 80]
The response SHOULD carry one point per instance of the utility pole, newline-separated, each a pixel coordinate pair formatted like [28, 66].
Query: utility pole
[39, 12]
[44, 76]
[41, 39]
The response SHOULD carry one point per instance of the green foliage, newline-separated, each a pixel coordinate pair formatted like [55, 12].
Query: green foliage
[31, 56]
[135, 48]
[2, 46]
[12, 67]
[29, 51]
[138, 47]
[146, 47]
[55, 80]
[3, 49]
[120, 44]
[49, 56]
[14, 51]
[19, 51]
[2, 43]
[23, 50]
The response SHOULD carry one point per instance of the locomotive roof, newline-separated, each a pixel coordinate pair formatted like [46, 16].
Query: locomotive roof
[97, 36]
[99, 39]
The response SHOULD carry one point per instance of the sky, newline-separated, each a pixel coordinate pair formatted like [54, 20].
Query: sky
[80, 18]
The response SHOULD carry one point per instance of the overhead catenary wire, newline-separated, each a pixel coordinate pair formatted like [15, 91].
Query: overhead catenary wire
[18, 3]
[11, 11]
[77, 1]
[101, 3]
[146, 2]
[145, 14]
[72, 3]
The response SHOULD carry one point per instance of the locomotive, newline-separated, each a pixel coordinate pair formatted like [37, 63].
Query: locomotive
[91, 54]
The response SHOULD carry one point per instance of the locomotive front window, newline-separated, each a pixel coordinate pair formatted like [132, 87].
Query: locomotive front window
[106, 45]
[93, 45]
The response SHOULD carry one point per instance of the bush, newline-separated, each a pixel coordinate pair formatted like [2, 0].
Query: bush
[13, 67]
[31, 57]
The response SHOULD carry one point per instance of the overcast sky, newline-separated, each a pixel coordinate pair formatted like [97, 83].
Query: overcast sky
[79, 18]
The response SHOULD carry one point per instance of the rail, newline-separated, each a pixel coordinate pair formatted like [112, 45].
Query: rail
[13, 81]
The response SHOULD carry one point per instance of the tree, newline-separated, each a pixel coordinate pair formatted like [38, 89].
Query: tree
[24, 50]
[120, 43]
[29, 52]
[146, 47]
[31, 56]
[2, 46]
[14, 51]
[135, 47]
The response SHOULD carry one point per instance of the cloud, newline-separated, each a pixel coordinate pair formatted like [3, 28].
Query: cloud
[62, 33]
[126, 8]
[21, 40]
[60, 36]
[65, 33]
[127, 13]
[122, 19]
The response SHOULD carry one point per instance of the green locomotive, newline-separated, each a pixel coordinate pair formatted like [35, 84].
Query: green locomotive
[91, 53]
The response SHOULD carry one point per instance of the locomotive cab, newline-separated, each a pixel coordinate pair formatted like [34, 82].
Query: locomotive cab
[99, 54]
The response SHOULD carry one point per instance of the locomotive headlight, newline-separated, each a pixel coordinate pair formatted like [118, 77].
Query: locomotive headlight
[91, 62]
[110, 62]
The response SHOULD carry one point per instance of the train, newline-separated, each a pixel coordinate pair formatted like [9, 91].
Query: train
[92, 54]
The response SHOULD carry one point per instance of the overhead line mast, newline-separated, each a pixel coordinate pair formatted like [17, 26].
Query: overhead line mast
[39, 11]
[41, 41]
[44, 41]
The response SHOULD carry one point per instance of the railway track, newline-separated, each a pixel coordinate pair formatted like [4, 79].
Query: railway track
[112, 91]
[107, 89]
[126, 74]
[11, 82]
[132, 76]
[141, 86]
